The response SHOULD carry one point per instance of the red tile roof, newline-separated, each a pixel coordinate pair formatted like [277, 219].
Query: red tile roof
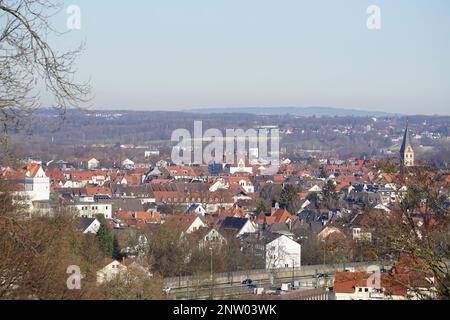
[32, 169]
[277, 216]
[235, 211]
[184, 221]
[98, 191]
[181, 171]
[393, 284]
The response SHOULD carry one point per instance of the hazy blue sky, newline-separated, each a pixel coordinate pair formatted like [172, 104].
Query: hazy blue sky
[176, 54]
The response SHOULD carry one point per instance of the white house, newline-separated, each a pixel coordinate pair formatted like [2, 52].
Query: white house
[241, 168]
[283, 252]
[90, 209]
[233, 182]
[90, 225]
[315, 188]
[93, 164]
[37, 184]
[110, 271]
[150, 153]
[359, 235]
[127, 163]
[212, 238]
[196, 225]
[197, 209]
[220, 184]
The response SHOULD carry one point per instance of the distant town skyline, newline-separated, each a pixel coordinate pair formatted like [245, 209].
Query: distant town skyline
[178, 55]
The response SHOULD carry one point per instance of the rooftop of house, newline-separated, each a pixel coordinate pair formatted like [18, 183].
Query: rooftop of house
[233, 223]
[86, 222]
[182, 220]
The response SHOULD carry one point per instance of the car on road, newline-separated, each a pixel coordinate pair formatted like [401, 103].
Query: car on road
[270, 292]
[321, 275]
[274, 292]
[167, 290]
[249, 283]
[280, 291]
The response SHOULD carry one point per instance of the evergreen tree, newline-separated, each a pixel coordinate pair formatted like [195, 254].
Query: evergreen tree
[261, 208]
[116, 249]
[329, 194]
[105, 238]
[288, 194]
[313, 198]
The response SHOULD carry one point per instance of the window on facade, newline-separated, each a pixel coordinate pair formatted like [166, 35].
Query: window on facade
[360, 289]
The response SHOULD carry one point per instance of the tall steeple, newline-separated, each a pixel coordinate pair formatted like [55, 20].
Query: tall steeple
[406, 151]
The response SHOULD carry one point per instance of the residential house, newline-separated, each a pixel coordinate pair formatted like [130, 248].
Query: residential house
[188, 223]
[359, 235]
[37, 184]
[182, 173]
[210, 238]
[128, 164]
[89, 225]
[240, 183]
[111, 270]
[138, 219]
[93, 164]
[330, 234]
[88, 208]
[283, 252]
[276, 216]
[197, 209]
[242, 167]
[237, 227]
[409, 279]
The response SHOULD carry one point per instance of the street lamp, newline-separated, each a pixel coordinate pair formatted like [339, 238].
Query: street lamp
[293, 271]
[324, 251]
[300, 258]
[212, 279]
[211, 250]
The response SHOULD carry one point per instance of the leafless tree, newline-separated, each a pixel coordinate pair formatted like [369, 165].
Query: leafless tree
[28, 62]
[419, 229]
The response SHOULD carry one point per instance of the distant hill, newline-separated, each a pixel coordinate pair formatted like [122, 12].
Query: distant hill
[296, 111]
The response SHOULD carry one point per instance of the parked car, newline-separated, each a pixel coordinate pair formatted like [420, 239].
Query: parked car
[280, 291]
[271, 292]
[321, 275]
[249, 283]
[167, 290]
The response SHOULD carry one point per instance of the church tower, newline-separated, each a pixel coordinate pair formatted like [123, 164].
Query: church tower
[406, 151]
